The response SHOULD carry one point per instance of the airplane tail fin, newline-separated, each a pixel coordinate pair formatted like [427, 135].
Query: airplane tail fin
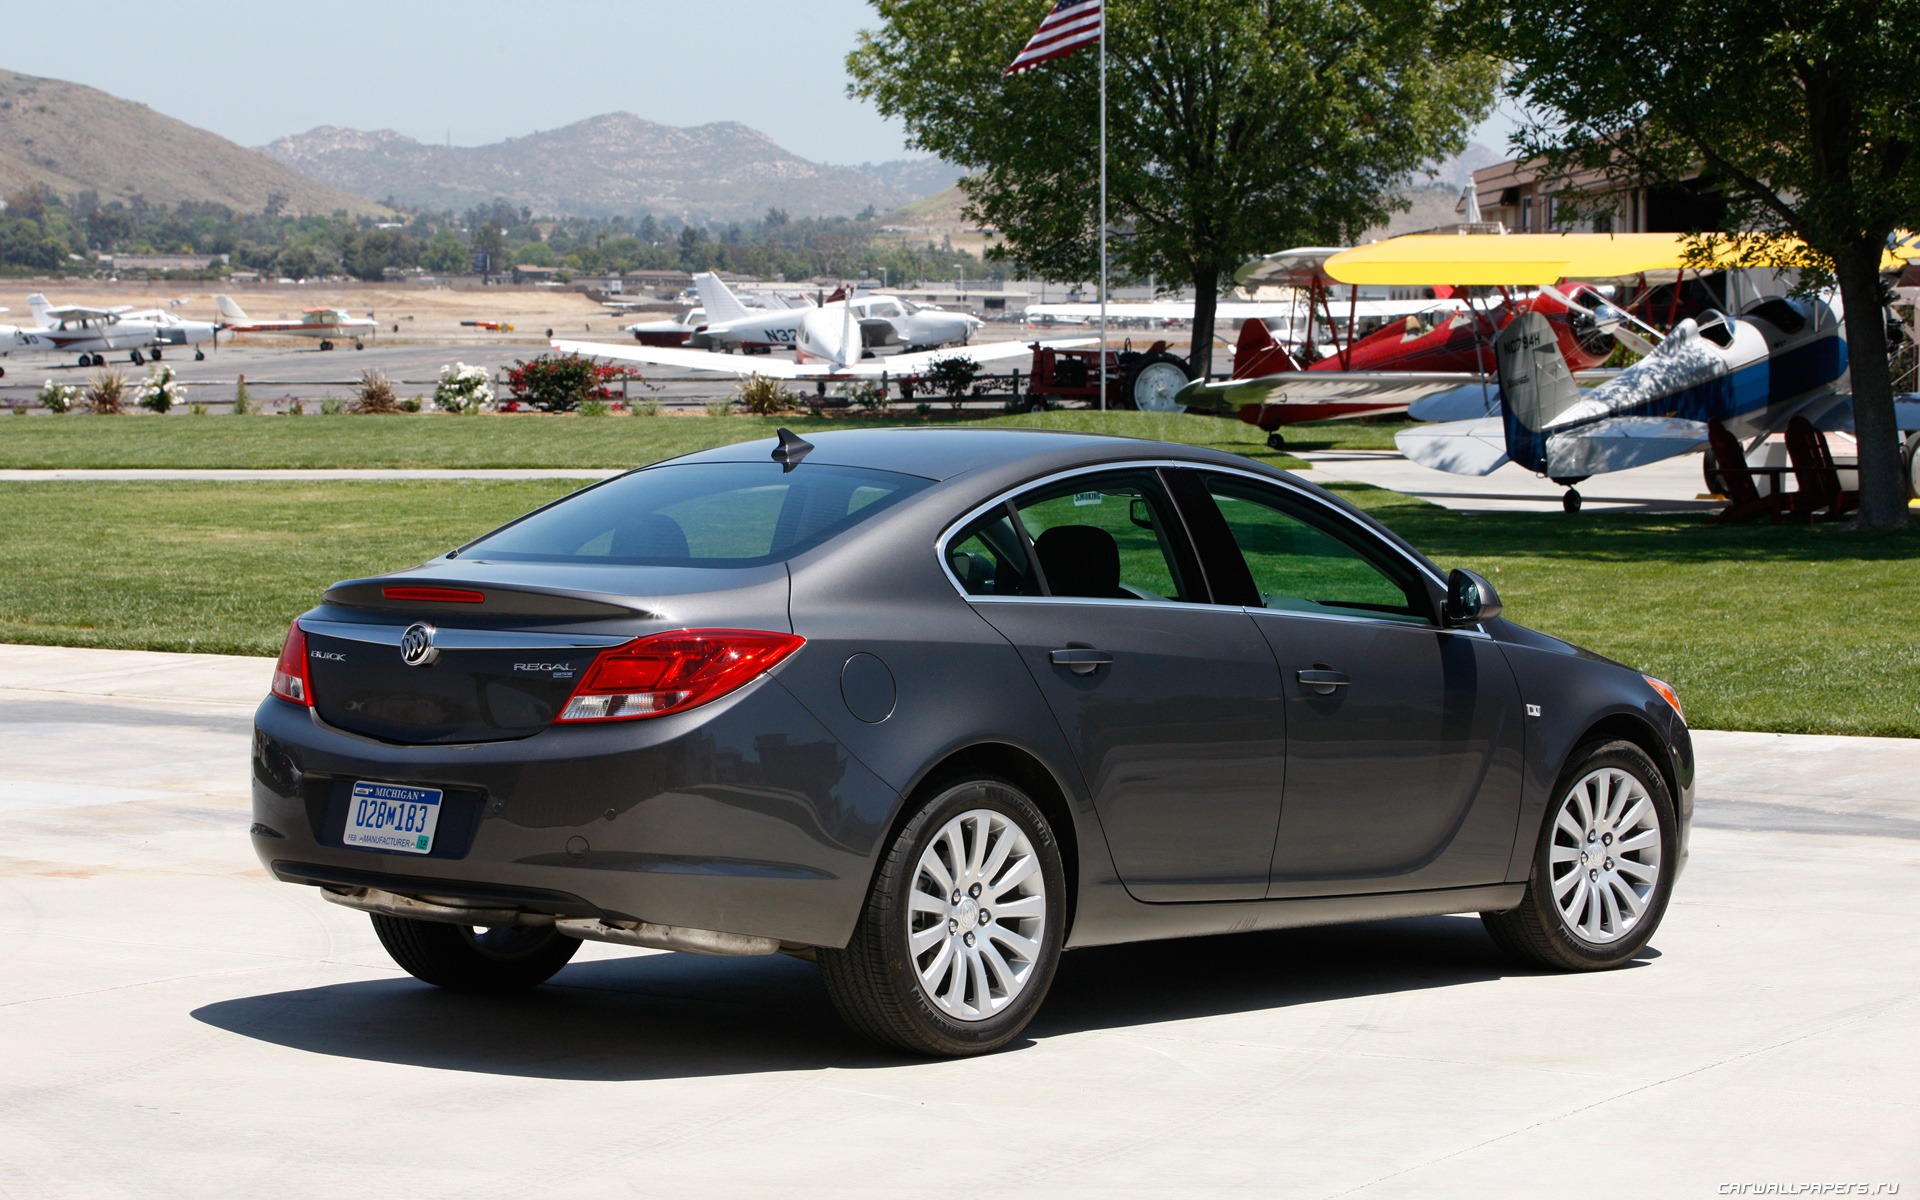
[717, 298]
[1535, 385]
[1257, 354]
[37, 304]
[229, 311]
[829, 333]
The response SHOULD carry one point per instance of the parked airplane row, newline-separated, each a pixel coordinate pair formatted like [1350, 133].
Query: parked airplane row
[93, 333]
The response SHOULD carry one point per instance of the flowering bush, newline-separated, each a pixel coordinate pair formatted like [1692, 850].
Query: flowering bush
[562, 382]
[58, 397]
[160, 391]
[463, 389]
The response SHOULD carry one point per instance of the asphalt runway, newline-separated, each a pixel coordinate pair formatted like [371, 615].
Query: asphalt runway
[281, 371]
[173, 1023]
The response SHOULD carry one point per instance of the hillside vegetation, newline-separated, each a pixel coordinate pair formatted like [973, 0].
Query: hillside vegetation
[73, 139]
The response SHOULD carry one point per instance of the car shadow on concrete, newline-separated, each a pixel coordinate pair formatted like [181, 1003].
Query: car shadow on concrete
[663, 1016]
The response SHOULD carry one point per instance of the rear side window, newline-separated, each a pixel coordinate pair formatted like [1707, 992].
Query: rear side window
[701, 514]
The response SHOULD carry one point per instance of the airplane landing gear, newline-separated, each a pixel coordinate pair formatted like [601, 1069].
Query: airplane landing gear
[1276, 441]
[325, 344]
[199, 356]
[1571, 501]
[154, 354]
[358, 344]
[136, 358]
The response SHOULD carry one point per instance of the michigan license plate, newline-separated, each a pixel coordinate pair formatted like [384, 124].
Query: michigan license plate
[392, 816]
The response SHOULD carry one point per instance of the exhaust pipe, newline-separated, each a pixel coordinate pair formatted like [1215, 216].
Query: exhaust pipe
[625, 933]
[666, 937]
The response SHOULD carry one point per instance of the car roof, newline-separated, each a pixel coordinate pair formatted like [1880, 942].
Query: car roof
[941, 452]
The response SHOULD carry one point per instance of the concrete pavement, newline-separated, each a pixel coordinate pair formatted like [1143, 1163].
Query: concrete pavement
[172, 1022]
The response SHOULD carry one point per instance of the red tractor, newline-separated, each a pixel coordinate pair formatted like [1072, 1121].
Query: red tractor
[1147, 382]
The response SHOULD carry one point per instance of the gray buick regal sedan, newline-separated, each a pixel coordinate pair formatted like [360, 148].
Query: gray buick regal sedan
[931, 706]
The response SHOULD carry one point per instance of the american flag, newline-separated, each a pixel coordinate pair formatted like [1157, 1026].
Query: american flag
[1070, 25]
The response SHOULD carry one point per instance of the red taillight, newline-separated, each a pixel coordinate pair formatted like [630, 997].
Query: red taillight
[433, 595]
[290, 681]
[671, 672]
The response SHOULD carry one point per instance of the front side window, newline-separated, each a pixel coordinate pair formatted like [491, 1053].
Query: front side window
[1106, 537]
[700, 514]
[1306, 562]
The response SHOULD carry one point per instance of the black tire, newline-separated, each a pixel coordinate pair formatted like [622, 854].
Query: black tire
[1276, 441]
[1571, 501]
[463, 959]
[1158, 365]
[199, 356]
[1910, 455]
[359, 345]
[1537, 931]
[874, 982]
[136, 358]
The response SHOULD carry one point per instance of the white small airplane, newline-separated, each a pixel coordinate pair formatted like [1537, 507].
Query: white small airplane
[883, 320]
[326, 324]
[830, 343]
[1753, 372]
[87, 332]
[677, 331]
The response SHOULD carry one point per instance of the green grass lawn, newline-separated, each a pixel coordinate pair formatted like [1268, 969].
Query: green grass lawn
[1785, 628]
[75, 441]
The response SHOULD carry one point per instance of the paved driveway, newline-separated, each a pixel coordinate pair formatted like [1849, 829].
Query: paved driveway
[174, 1023]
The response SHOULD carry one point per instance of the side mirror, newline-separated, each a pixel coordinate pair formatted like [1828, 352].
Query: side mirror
[1470, 599]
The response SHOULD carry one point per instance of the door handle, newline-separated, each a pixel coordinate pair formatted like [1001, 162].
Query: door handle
[1323, 682]
[1081, 660]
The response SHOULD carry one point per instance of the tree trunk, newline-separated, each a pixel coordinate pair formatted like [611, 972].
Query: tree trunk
[1206, 297]
[1883, 494]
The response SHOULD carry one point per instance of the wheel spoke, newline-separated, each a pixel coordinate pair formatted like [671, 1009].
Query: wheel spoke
[921, 902]
[1002, 847]
[1566, 854]
[1564, 884]
[1610, 909]
[977, 847]
[1627, 902]
[1020, 908]
[927, 938]
[1632, 818]
[1649, 872]
[1017, 875]
[982, 991]
[936, 970]
[1639, 841]
[999, 969]
[1026, 948]
[957, 853]
[1570, 825]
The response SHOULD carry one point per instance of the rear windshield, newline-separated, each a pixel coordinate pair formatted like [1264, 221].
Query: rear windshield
[700, 514]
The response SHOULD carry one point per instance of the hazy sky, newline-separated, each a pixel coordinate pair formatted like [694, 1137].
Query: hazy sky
[478, 70]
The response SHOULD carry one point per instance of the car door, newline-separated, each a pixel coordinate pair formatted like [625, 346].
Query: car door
[1171, 703]
[1404, 738]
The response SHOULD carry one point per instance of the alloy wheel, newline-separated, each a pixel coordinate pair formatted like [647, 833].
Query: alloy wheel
[1605, 859]
[977, 915]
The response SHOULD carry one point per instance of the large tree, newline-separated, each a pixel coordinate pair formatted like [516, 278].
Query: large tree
[1803, 112]
[1235, 127]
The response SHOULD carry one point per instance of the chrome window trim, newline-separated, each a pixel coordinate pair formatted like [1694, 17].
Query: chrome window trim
[944, 542]
[464, 639]
[1377, 622]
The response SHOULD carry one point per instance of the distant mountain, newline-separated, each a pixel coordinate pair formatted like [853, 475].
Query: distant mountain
[612, 165]
[74, 138]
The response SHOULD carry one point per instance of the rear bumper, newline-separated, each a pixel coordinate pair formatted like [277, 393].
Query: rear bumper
[744, 816]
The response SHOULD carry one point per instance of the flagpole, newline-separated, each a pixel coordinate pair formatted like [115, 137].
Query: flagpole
[1103, 206]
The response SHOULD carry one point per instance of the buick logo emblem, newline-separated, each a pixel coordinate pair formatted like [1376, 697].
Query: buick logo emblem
[416, 646]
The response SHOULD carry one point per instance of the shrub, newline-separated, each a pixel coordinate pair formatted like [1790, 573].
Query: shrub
[107, 393]
[463, 389]
[865, 394]
[411, 404]
[647, 408]
[719, 408]
[952, 376]
[923, 409]
[593, 408]
[242, 399]
[764, 397]
[296, 409]
[374, 394]
[563, 382]
[160, 390]
[58, 397]
[332, 406]
[197, 409]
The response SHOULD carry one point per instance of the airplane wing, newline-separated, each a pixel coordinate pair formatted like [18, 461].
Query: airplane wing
[1241, 310]
[80, 312]
[1298, 267]
[1620, 444]
[896, 366]
[1321, 387]
[1474, 447]
[1533, 259]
